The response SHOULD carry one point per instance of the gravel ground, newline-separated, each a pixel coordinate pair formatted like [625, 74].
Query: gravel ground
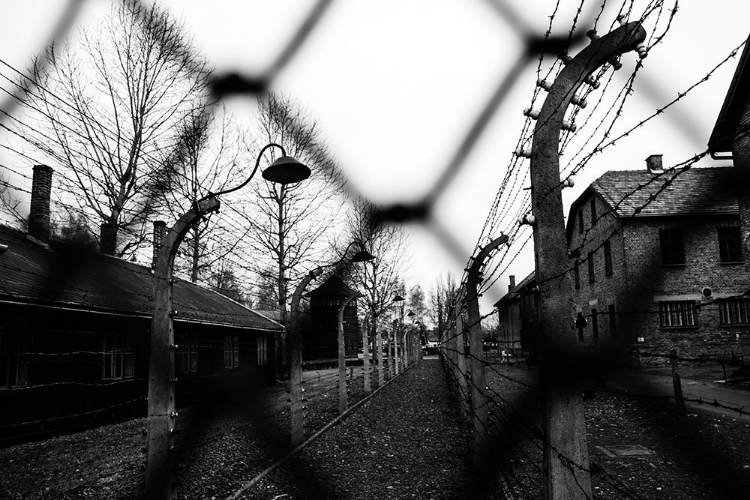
[408, 441]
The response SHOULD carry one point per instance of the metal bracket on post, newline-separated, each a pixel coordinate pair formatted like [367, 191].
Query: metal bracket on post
[566, 459]
[161, 385]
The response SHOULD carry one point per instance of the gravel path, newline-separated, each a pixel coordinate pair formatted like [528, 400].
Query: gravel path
[406, 442]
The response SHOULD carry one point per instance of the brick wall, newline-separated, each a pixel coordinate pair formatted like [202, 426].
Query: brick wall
[639, 279]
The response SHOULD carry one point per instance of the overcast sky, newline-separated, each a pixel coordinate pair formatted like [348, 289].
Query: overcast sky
[396, 84]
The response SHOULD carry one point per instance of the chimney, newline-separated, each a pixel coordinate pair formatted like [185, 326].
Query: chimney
[160, 229]
[107, 238]
[41, 188]
[512, 282]
[653, 164]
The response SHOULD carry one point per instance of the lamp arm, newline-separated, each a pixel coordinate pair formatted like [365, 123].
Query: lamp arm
[257, 164]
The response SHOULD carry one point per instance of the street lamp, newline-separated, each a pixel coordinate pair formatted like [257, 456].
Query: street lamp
[295, 344]
[393, 367]
[161, 387]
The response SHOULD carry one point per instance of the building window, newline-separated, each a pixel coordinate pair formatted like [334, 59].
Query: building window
[262, 343]
[231, 351]
[592, 276]
[576, 275]
[734, 311]
[595, 324]
[593, 211]
[187, 354]
[118, 356]
[14, 359]
[580, 324]
[677, 313]
[612, 321]
[607, 259]
[672, 249]
[580, 221]
[730, 244]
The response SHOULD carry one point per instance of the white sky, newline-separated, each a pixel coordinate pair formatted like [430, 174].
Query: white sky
[395, 84]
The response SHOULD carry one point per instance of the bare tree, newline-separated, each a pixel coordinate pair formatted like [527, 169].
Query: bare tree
[416, 302]
[104, 108]
[223, 280]
[442, 300]
[10, 204]
[380, 279]
[290, 224]
[208, 156]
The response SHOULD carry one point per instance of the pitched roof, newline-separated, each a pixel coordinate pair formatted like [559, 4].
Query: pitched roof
[696, 191]
[333, 287]
[515, 291]
[733, 106]
[67, 276]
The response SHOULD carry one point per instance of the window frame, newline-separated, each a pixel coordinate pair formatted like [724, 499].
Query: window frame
[117, 357]
[607, 259]
[672, 246]
[734, 311]
[576, 275]
[678, 314]
[612, 321]
[187, 354]
[231, 352]
[580, 221]
[14, 358]
[580, 325]
[262, 347]
[592, 205]
[730, 245]
[594, 324]
[592, 267]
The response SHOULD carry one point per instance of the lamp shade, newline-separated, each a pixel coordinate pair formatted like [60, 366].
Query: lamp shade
[362, 256]
[286, 170]
[398, 298]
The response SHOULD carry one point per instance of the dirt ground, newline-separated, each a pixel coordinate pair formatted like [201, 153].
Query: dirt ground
[409, 441]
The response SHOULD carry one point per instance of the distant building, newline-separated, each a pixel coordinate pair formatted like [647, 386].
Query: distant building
[320, 341]
[518, 316]
[657, 260]
[75, 332]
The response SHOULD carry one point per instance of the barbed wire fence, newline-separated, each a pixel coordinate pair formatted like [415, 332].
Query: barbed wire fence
[507, 422]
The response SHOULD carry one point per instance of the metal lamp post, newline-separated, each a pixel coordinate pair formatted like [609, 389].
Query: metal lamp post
[394, 369]
[295, 345]
[161, 389]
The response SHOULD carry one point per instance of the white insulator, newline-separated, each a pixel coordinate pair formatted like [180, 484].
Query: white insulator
[569, 182]
[531, 113]
[591, 82]
[592, 35]
[527, 219]
[544, 84]
[579, 101]
[642, 50]
[622, 18]
[569, 125]
[565, 58]
[616, 64]
[523, 152]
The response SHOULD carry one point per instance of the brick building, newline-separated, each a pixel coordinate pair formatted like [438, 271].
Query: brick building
[657, 260]
[518, 314]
